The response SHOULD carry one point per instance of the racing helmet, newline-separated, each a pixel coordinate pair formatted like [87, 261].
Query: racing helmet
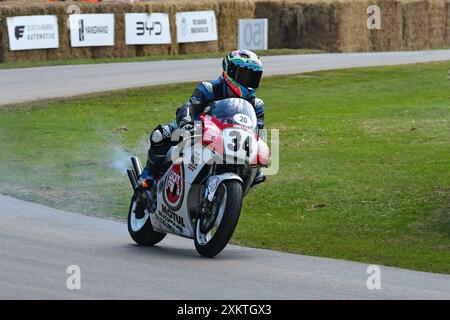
[242, 71]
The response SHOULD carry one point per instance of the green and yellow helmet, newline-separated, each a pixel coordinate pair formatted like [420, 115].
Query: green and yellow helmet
[242, 71]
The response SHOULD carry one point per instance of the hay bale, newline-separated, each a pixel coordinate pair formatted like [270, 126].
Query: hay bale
[447, 23]
[350, 24]
[390, 36]
[302, 24]
[312, 25]
[2, 36]
[341, 25]
[415, 25]
[271, 10]
[405, 25]
[230, 11]
[3, 32]
[437, 23]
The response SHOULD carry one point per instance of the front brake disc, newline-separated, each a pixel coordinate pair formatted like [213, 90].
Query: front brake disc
[208, 218]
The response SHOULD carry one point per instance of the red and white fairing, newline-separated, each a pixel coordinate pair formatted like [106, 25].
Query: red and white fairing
[177, 195]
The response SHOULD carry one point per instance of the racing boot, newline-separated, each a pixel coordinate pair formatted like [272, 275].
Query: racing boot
[146, 179]
[153, 169]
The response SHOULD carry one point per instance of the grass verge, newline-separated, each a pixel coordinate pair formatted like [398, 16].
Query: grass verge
[364, 174]
[32, 64]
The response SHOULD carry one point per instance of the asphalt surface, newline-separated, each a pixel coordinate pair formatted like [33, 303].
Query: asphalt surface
[20, 85]
[37, 244]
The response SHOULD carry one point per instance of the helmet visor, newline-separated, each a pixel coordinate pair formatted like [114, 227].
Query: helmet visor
[248, 78]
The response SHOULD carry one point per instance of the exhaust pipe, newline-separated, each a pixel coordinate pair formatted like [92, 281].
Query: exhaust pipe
[132, 177]
[137, 166]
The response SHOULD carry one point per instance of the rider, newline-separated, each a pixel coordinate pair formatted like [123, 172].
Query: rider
[242, 70]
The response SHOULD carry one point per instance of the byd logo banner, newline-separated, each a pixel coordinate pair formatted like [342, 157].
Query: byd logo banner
[143, 28]
[33, 32]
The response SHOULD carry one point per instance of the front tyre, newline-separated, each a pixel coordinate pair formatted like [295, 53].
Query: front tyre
[226, 209]
[140, 226]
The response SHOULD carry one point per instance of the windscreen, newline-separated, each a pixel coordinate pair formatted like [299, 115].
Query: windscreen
[234, 111]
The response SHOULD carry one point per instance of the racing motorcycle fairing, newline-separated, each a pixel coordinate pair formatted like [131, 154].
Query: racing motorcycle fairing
[229, 149]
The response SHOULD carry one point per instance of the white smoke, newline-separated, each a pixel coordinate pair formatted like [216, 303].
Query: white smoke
[121, 160]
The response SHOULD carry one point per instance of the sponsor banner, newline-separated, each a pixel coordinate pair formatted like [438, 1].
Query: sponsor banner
[143, 28]
[252, 34]
[196, 26]
[91, 30]
[33, 32]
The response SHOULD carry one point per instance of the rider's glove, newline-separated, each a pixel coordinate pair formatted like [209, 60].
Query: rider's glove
[188, 127]
[184, 117]
[188, 130]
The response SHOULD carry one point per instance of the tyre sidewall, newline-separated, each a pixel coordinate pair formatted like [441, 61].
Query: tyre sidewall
[146, 235]
[227, 225]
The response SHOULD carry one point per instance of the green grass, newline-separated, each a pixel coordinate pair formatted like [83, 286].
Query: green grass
[32, 64]
[364, 174]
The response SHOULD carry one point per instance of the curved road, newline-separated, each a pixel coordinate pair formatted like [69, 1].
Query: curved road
[37, 243]
[19, 85]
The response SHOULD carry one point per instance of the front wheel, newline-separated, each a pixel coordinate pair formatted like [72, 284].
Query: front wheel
[140, 226]
[212, 232]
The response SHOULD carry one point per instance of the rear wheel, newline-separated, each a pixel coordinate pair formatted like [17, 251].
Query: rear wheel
[214, 230]
[140, 226]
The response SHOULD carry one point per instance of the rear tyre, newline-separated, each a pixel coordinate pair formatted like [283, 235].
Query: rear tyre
[228, 205]
[140, 226]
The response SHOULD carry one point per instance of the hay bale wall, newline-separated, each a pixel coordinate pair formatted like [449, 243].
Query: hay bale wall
[227, 14]
[301, 23]
[341, 25]
[330, 25]
[447, 21]
[405, 25]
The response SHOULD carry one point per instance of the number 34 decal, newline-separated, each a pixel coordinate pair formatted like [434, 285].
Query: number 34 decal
[239, 143]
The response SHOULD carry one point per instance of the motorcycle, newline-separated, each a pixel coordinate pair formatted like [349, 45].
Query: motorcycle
[209, 173]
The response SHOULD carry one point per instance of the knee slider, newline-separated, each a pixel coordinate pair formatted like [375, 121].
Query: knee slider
[156, 137]
[160, 135]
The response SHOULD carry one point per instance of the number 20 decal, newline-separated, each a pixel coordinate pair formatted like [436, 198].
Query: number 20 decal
[243, 120]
